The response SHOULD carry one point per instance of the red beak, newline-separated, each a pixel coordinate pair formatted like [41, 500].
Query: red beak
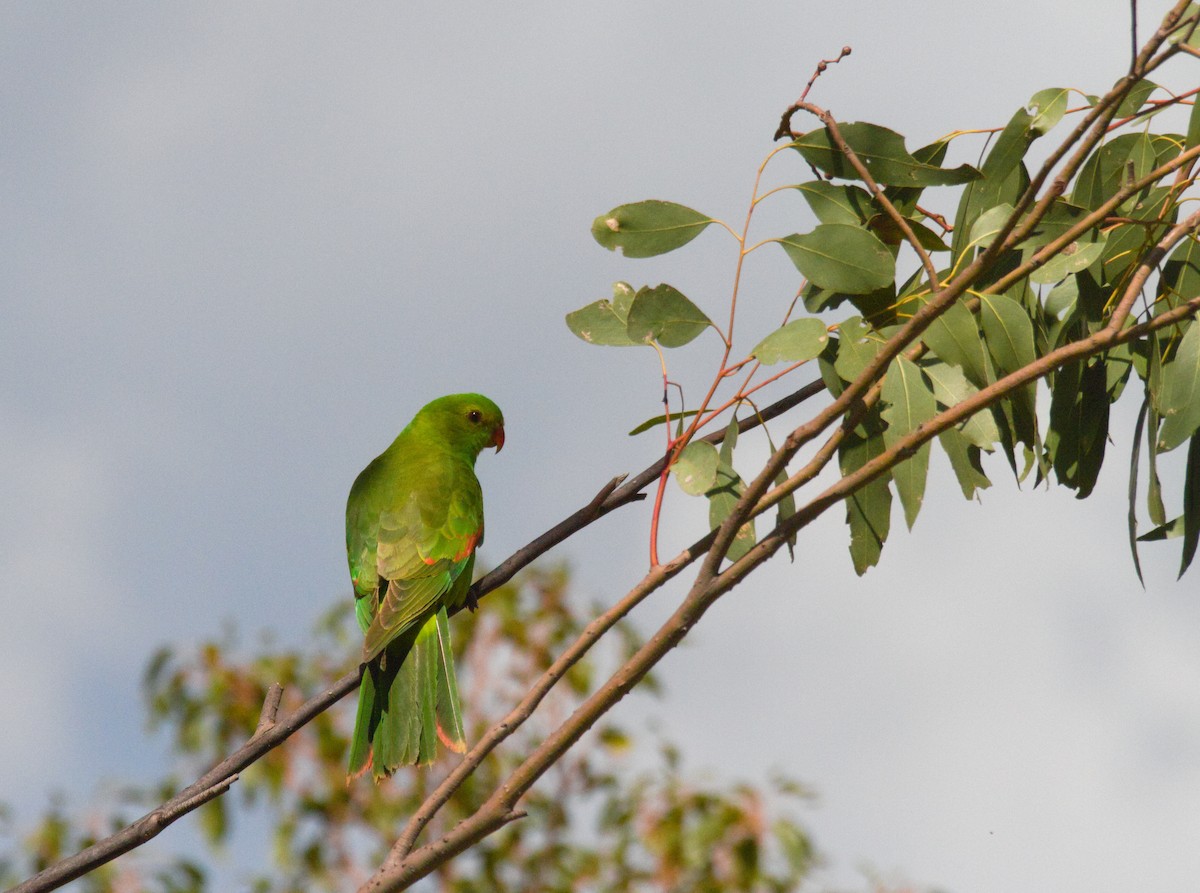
[498, 438]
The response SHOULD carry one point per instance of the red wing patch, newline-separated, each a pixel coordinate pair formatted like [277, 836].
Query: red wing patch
[466, 550]
[470, 546]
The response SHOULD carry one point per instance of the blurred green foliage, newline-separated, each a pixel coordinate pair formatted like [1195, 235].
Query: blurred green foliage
[618, 813]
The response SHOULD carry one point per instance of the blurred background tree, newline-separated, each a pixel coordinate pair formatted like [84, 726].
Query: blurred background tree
[596, 823]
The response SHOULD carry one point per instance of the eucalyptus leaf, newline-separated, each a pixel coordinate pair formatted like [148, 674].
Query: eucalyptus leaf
[1047, 107]
[1078, 433]
[1180, 278]
[855, 348]
[965, 459]
[950, 387]
[799, 340]
[1131, 512]
[883, 153]
[1169, 531]
[981, 195]
[890, 233]
[695, 468]
[841, 257]
[1073, 258]
[784, 509]
[989, 224]
[1121, 160]
[838, 202]
[1154, 501]
[661, 420]
[954, 338]
[1191, 505]
[1193, 131]
[868, 509]
[1008, 331]
[604, 321]
[725, 492]
[1136, 98]
[649, 228]
[905, 198]
[1010, 147]
[664, 315]
[1177, 401]
[910, 404]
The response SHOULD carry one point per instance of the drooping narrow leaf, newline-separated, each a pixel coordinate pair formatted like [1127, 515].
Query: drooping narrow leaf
[785, 508]
[1154, 501]
[800, 339]
[1122, 159]
[604, 321]
[868, 509]
[664, 315]
[954, 338]
[695, 468]
[1008, 330]
[883, 152]
[910, 404]
[1173, 529]
[1094, 435]
[951, 387]
[1193, 130]
[1180, 278]
[729, 441]
[649, 228]
[1010, 146]
[981, 195]
[965, 459]
[1078, 434]
[841, 257]
[723, 496]
[1131, 515]
[1191, 505]
[661, 419]
[1177, 400]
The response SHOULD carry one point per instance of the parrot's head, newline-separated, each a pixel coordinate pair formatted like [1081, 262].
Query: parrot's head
[470, 422]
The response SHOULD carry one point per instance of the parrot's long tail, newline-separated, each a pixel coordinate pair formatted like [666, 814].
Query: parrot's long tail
[407, 700]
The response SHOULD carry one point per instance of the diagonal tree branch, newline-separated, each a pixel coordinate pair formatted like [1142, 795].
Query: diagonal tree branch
[270, 733]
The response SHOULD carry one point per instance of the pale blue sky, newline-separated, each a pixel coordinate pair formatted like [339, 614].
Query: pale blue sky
[244, 242]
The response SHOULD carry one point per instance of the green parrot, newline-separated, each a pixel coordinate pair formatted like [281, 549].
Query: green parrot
[413, 521]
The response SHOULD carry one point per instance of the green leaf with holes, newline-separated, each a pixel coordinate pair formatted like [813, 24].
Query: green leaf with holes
[604, 321]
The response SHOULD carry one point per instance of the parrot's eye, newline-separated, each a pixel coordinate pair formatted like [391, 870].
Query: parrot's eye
[474, 416]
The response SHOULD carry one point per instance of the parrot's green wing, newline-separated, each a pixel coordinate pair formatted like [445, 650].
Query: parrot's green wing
[423, 565]
[424, 558]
